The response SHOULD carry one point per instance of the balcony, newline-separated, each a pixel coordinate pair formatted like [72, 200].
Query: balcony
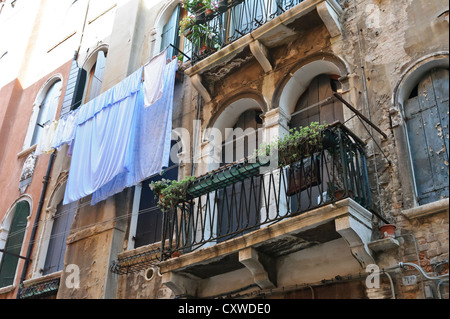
[250, 28]
[248, 215]
[242, 197]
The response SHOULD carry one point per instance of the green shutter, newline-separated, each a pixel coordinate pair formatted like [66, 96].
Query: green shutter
[170, 33]
[14, 243]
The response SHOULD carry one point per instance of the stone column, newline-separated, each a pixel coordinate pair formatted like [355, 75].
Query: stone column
[276, 124]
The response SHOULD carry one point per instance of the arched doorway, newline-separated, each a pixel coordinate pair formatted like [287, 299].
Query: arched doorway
[237, 125]
[306, 95]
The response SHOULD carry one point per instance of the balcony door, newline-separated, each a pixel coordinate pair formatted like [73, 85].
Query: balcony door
[238, 204]
[311, 108]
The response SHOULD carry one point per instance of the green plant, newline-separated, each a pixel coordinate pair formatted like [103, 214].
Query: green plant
[195, 5]
[186, 24]
[202, 34]
[174, 193]
[300, 143]
[158, 186]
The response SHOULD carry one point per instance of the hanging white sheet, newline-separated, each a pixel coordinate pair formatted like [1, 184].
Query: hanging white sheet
[149, 147]
[154, 78]
[102, 138]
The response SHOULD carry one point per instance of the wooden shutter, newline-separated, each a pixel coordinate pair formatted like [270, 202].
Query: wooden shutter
[318, 90]
[170, 34]
[57, 245]
[97, 77]
[427, 126]
[74, 89]
[8, 264]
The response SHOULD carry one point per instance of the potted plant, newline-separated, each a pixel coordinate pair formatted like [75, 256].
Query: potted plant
[174, 193]
[203, 37]
[388, 230]
[198, 7]
[301, 143]
[158, 186]
[211, 8]
[186, 25]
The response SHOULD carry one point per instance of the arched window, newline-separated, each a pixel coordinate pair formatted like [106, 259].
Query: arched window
[426, 113]
[12, 247]
[47, 110]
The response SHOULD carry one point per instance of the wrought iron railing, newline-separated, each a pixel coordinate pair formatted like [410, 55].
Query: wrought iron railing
[40, 290]
[233, 20]
[243, 197]
[338, 171]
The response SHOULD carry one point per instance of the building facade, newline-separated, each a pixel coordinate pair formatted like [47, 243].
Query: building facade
[375, 74]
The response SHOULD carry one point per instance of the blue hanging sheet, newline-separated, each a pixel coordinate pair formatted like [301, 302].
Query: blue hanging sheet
[149, 148]
[103, 133]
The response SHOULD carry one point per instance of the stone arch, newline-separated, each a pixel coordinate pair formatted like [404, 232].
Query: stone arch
[412, 75]
[300, 75]
[91, 59]
[233, 106]
[46, 87]
[225, 117]
[9, 214]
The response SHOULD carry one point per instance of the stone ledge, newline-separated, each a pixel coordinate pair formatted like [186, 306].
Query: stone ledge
[427, 209]
[7, 289]
[384, 244]
[38, 280]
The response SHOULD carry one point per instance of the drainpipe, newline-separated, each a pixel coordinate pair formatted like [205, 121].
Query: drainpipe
[36, 221]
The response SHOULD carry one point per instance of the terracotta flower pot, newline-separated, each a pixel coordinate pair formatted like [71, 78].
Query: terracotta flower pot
[388, 230]
[176, 254]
